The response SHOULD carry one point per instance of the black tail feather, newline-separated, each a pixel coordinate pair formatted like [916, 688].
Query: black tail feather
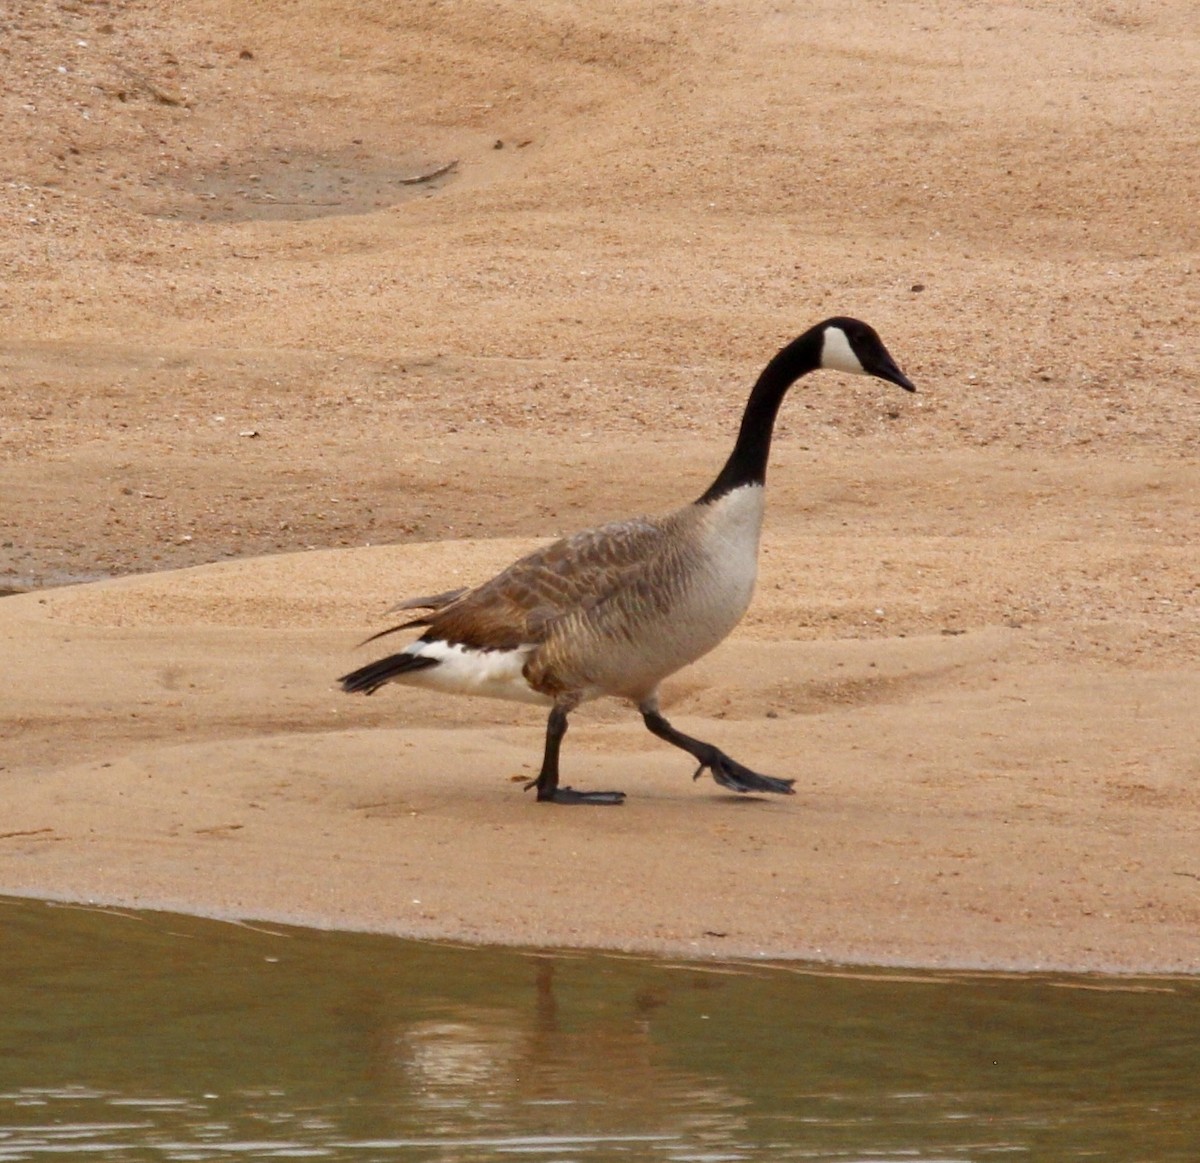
[368, 679]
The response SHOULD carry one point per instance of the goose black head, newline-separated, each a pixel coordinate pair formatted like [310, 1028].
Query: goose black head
[850, 345]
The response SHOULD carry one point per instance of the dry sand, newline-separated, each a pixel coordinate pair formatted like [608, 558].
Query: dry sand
[267, 384]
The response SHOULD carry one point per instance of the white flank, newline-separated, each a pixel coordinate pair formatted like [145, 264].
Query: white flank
[495, 674]
[837, 354]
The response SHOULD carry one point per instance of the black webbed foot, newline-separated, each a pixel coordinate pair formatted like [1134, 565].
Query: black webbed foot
[548, 791]
[727, 772]
[568, 795]
[732, 775]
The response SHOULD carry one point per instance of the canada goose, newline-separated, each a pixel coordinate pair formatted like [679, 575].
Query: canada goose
[616, 609]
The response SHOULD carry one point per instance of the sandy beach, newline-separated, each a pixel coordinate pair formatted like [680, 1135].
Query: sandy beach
[311, 308]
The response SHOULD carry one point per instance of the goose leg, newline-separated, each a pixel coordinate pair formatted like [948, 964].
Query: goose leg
[727, 772]
[546, 783]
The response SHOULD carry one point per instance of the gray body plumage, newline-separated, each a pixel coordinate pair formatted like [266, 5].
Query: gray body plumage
[609, 611]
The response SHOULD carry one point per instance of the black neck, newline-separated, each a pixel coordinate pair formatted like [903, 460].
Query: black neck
[747, 463]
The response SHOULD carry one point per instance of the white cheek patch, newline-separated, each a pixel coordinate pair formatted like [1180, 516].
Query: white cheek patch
[837, 354]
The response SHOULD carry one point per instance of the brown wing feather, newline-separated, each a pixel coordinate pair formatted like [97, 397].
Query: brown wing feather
[521, 603]
[433, 602]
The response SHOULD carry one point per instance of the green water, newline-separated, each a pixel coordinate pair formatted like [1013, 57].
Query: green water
[156, 1037]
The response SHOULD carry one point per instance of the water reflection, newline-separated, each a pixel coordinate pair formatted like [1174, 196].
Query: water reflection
[150, 1036]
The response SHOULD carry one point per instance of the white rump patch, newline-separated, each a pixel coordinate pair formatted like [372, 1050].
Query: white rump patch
[837, 354]
[462, 670]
